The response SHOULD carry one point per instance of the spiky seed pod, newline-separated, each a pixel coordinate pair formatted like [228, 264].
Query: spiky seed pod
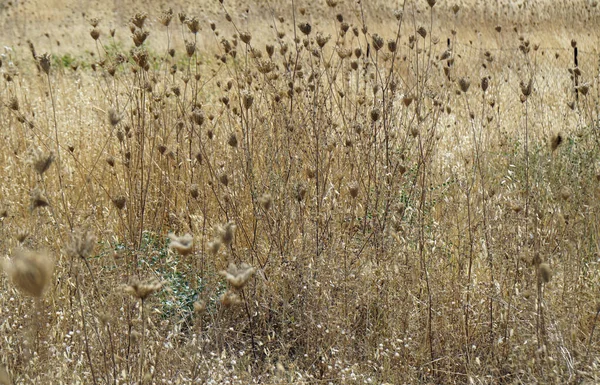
[232, 141]
[270, 50]
[197, 116]
[45, 61]
[139, 37]
[545, 272]
[81, 244]
[431, 3]
[119, 202]
[95, 34]
[455, 8]
[30, 271]
[214, 246]
[422, 32]
[245, 37]
[143, 289]
[184, 245]
[182, 17]
[464, 84]
[556, 141]
[305, 28]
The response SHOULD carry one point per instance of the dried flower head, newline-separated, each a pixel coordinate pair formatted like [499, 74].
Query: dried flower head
[230, 298]
[246, 37]
[30, 271]
[166, 17]
[81, 243]
[194, 191]
[44, 61]
[266, 201]
[119, 202]
[238, 277]
[464, 84]
[41, 161]
[232, 141]
[113, 117]
[38, 199]
[214, 246]
[193, 24]
[305, 28]
[138, 19]
[545, 272]
[378, 42]
[143, 290]
[526, 87]
[227, 233]
[184, 245]
[556, 141]
[353, 189]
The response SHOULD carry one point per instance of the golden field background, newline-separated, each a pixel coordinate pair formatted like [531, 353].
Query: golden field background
[299, 192]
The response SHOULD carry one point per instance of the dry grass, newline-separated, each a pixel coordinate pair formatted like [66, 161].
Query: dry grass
[294, 194]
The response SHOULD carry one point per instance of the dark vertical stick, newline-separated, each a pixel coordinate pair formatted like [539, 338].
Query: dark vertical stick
[575, 75]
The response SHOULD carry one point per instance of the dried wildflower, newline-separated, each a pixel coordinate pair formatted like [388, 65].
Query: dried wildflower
[119, 202]
[44, 62]
[13, 103]
[22, 235]
[139, 37]
[545, 272]
[230, 298]
[305, 28]
[214, 246]
[265, 66]
[378, 42]
[197, 116]
[331, 3]
[138, 19]
[224, 179]
[464, 84]
[431, 3]
[485, 82]
[41, 162]
[38, 199]
[30, 271]
[266, 201]
[392, 45]
[232, 141]
[375, 114]
[95, 34]
[322, 39]
[246, 37]
[556, 141]
[184, 245]
[422, 32]
[194, 191]
[143, 290]
[81, 244]
[227, 233]
[238, 277]
[193, 24]
[247, 99]
[199, 306]
[113, 117]
[300, 192]
[353, 189]
[526, 87]
[190, 48]
[166, 16]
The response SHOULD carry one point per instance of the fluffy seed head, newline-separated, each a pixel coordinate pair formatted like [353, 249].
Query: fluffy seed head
[143, 289]
[238, 277]
[184, 245]
[30, 271]
[81, 244]
[545, 272]
[227, 233]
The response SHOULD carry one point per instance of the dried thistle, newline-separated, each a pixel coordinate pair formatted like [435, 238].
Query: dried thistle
[230, 298]
[166, 17]
[464, 84]
[184, 245]
[81, 244]
[194, 191]
[247, 99]
[30, 271]
[193, 24]
[246, 37]
[138, 19]
[232, 141]
[95, 34]
[378, 42]
[143, 290]
[353, 189]
[305, 28]
[526, 87]
[190, 48]
[214, 246]
[238, 277]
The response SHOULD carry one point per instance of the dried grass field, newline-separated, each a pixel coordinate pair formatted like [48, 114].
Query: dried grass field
[299, 192]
